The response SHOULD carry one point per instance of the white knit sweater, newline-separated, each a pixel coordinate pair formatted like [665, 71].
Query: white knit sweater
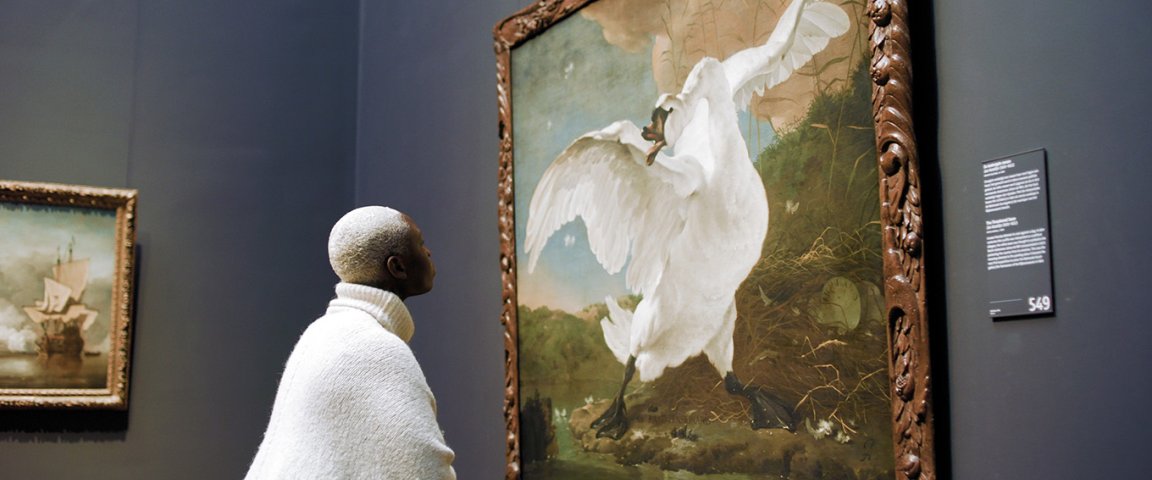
[353, 403]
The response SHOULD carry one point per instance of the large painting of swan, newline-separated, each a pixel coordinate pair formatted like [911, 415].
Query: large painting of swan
[664, 314]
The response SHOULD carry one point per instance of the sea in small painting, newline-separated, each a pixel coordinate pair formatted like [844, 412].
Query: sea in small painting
[57, 269]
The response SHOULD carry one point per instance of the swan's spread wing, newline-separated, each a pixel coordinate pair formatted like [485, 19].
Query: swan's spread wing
[627, 206]
[803, 31]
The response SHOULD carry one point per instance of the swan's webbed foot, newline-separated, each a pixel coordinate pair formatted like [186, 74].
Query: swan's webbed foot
[613, 423]
[768, 411]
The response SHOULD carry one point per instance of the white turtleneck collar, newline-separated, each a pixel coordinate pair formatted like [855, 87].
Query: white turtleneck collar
[384, 306]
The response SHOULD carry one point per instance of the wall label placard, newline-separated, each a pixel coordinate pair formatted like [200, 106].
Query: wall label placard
[1018, 256]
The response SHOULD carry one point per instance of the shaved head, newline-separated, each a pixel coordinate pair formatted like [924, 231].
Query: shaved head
[362, 241]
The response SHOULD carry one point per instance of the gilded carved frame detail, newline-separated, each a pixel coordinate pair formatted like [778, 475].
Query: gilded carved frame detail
[114, 395]
[901, 218]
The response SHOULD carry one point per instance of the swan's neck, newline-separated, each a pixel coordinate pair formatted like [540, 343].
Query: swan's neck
[716, 126]
[708, 81]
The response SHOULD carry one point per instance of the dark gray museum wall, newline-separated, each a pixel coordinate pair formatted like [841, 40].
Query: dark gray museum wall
[236, 123]
[427, 145]
[248, 127]
[1060, 397]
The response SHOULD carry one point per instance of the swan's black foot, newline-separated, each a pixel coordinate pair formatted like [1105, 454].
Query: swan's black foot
[613, 423]
[768, 411]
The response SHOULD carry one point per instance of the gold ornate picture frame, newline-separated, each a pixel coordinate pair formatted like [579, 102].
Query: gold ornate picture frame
[832, 317]
[67, 264]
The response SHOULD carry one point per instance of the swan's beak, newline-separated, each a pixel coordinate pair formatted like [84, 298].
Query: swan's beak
[654, 133]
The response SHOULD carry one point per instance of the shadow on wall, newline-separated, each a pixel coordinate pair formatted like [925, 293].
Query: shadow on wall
[45, 426]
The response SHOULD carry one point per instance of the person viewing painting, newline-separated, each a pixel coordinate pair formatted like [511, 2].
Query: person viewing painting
[353, 401]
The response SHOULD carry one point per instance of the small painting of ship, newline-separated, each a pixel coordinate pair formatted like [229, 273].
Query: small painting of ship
[61, 316]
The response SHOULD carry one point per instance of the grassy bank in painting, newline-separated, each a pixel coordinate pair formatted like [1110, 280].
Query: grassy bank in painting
[809, 329]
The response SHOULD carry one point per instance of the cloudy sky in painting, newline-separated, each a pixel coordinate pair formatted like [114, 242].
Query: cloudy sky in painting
[32, 240]
[567, 82]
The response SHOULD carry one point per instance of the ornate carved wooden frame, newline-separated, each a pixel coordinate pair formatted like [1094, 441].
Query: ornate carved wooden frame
[901, 219]
[123, 203]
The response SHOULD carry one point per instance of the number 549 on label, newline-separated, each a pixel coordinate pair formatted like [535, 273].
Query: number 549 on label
[1040, 304]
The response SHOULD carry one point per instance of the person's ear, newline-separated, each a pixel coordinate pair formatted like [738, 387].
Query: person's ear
[396, 267]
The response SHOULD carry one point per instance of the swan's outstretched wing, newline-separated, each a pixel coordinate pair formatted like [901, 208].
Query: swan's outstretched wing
[802, 31]
[627, 206]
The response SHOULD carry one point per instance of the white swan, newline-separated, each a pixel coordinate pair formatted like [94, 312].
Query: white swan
[693, 222]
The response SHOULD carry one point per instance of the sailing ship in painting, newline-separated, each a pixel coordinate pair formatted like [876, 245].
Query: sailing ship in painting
[61, 315]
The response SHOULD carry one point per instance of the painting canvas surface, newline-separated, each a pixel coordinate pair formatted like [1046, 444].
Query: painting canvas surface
[809, 325]
[57, 269]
